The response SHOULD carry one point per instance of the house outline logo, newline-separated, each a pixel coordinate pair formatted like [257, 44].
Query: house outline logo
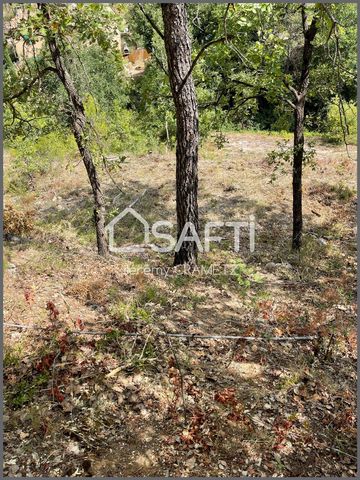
[184, 236]
[109, 229]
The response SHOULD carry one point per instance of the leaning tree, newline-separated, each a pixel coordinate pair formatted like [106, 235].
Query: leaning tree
[54, 29]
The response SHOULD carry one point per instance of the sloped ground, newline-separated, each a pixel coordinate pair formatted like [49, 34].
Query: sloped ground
[93, 388]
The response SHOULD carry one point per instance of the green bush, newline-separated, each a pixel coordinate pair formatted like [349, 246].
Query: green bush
[33, 157]
[117, 132]
[335, 125]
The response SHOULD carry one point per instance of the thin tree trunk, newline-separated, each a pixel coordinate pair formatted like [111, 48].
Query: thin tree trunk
[178, 50]
[78, 127]
[309, 32]
[297, 175]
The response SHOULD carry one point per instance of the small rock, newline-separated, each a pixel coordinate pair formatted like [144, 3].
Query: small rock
[73, 448]
[322, 241]
[190, 462]
[270, 267]
[15, 239]
[36, 458]
[13, 469]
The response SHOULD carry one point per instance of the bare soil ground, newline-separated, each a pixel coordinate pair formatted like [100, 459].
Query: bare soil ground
[130, 402]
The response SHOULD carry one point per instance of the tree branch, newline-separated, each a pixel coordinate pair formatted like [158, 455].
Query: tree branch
[292, 90]
[330, 15]
[159, 62]
[246, 99]
[225, 19]
[29, 85]
[201, 51]
[289, 102]
[151, 21]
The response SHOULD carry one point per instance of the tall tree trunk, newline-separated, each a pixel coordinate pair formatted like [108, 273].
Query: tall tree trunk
[309, 32]
[297, 174]
[178, 50]
[78, 127]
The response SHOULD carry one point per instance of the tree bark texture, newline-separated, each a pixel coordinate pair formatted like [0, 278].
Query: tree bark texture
[178, 50]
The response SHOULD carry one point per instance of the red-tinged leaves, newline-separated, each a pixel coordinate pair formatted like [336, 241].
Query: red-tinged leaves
[44, 427]
[234, 417]
[29, 296]
[57, 394]
[197, 418]
[45, 363]
[346, 420]
[195, 432]
[281, 428]
[63, 340]
[79, 324]
[226, 396]
[53, 311]
[193, 391]
[278, 446]
[265, 307]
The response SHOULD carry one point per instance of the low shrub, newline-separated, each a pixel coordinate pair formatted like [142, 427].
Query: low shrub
[16, 222]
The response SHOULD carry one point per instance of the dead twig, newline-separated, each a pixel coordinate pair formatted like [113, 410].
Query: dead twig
[181, 379]
[145, 344]
[53, 375]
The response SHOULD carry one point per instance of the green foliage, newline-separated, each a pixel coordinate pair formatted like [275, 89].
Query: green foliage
[25, 390]
[150, 97]
[194, 300]
[139, 308]
[34, 156]
[99, 74]
[112, 338]
[12, 357]
[124, 312]
[220, 140]
[245, 275]
[240, 83]
[151, 294]
[343, 191]
[181, 280]
[283, 156]
[245, 77]
[341, 123]
[283, 119]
